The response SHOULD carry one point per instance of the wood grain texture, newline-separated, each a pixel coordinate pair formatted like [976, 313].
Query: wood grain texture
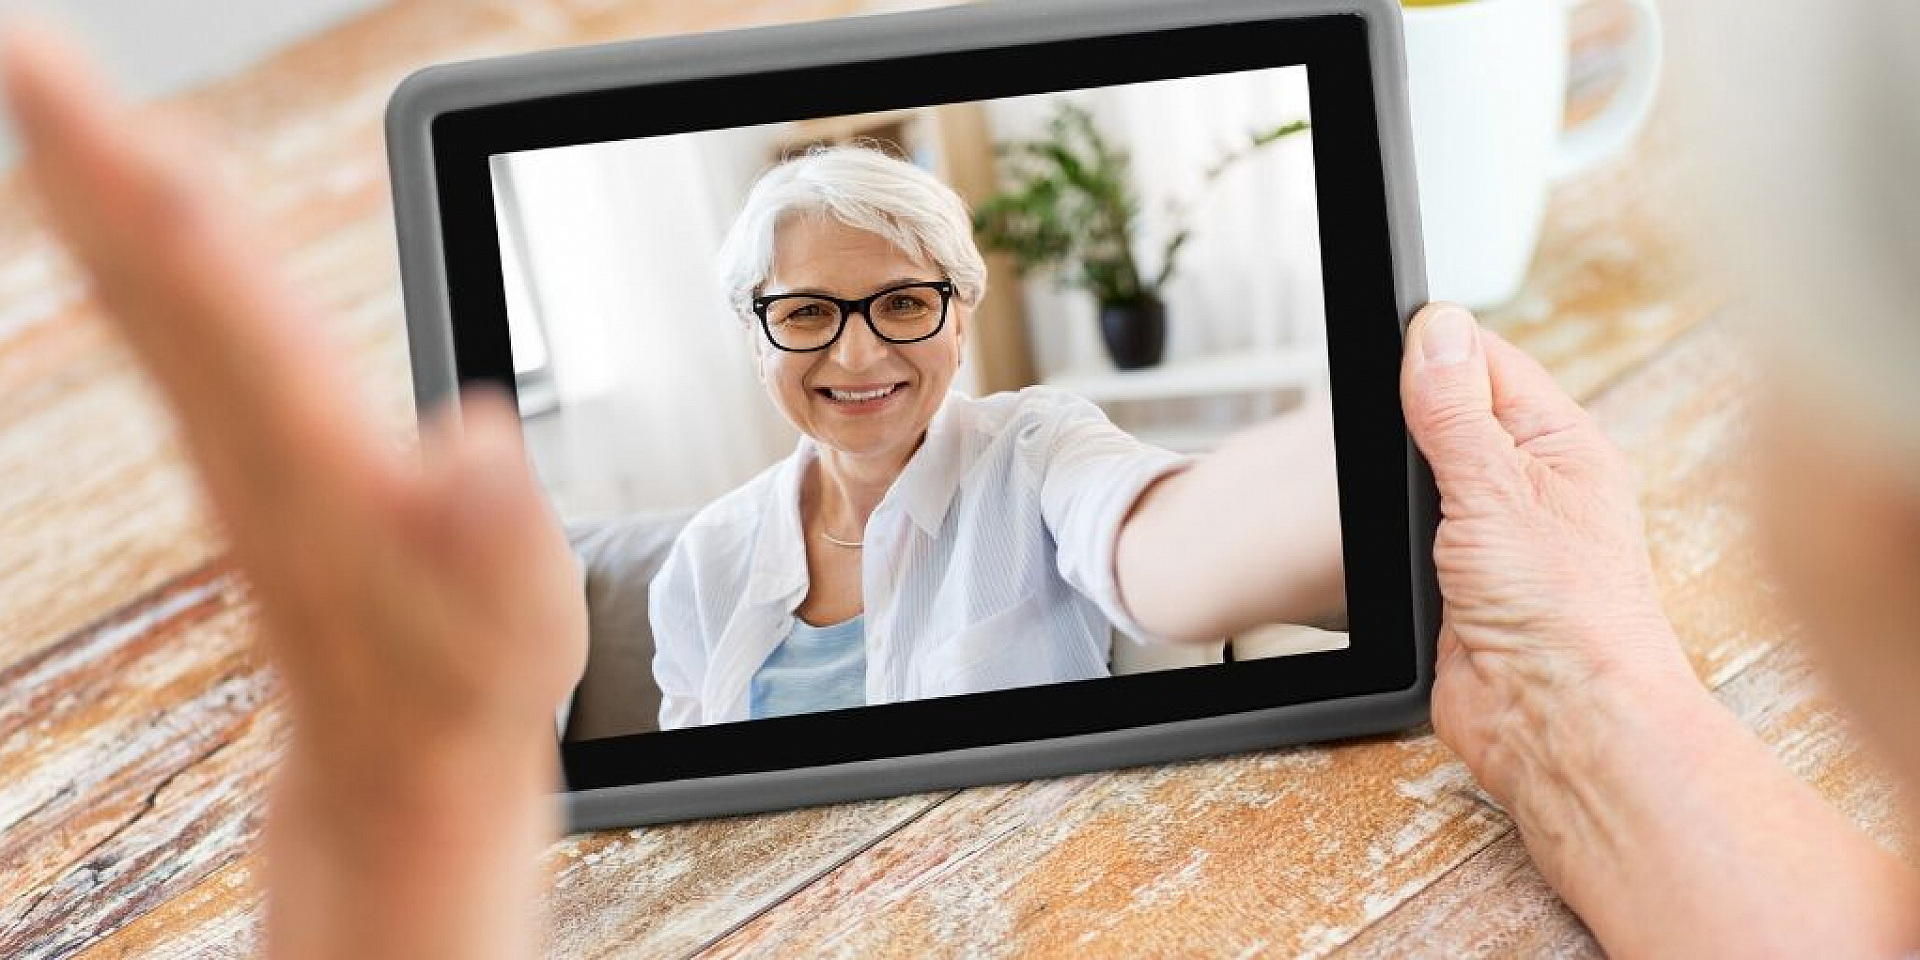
[1497, 905]
[138, 727]
[673, 890]
[665, 891]
[141, 743]
[1281, 852]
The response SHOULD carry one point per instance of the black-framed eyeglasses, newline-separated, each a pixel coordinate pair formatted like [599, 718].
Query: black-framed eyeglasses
[805, 322]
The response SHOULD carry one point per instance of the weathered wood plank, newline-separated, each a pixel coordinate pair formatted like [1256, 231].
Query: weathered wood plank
[1312, 843]
[1493, 905]
[195, 824]
[216, 919]
[90, 468]
[130, 750]
[1497, 905]
[670, 891]
[99, 506]
[665, 891]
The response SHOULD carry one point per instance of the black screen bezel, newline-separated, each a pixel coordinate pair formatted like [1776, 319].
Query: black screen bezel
[1363, 338]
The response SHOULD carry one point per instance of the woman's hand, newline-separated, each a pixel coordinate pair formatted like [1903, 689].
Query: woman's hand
[424, 612]
[1660, 819]
[1549, 594]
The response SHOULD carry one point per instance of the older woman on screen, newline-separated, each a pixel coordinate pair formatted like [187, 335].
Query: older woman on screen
[919, 542]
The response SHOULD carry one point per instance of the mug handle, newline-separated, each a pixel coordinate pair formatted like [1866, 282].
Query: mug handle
[1613, 129]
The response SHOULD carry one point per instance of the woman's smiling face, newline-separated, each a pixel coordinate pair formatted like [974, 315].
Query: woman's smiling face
[830, 394]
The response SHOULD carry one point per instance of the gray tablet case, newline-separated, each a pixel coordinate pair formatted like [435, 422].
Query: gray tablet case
[440, 89]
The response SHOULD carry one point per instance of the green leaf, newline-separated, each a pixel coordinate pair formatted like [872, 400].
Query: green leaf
[1070, 204]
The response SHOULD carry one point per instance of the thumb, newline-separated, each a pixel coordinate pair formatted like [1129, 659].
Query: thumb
[478, 493]
[1447, 395]
[493, 480]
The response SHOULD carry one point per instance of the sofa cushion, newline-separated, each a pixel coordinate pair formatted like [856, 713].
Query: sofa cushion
[618, 559]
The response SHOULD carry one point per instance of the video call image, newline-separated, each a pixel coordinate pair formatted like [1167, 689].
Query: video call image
[866, 409]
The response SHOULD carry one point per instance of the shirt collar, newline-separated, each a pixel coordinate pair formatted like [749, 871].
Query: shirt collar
[924, 490]
[926, 487]
[779, 553]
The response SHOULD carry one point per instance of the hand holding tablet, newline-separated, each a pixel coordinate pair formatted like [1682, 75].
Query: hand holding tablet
[1549, 592]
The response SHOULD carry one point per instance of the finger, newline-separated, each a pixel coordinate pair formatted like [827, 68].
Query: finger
[1527, 400]
[256, 388]
[490, 452]
[1447, 396]
[486, 505]
[439, 435]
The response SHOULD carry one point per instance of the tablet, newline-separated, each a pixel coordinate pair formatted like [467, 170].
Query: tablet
[946, 397]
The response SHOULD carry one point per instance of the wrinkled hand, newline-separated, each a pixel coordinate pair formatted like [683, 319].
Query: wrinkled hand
[1541, 552]
[424, 611]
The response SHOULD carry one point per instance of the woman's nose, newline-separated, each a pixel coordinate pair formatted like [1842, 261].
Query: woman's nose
[859, 347]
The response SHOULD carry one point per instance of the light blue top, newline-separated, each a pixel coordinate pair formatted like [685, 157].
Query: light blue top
[813, 669]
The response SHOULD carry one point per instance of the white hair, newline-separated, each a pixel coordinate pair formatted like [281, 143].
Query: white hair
[862, 188]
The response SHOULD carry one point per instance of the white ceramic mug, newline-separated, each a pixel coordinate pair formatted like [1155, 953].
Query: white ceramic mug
[1488, 83]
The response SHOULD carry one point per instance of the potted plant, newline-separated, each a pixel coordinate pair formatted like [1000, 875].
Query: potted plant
[1070, 204]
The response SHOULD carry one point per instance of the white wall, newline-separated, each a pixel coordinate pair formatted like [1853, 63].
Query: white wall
[1250, 278]
[611, 266]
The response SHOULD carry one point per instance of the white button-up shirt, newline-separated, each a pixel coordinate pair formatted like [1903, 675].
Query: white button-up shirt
[988, 564]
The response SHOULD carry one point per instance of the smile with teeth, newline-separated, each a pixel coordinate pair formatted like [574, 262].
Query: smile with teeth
[859, 396]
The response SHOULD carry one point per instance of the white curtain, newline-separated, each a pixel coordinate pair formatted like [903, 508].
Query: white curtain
[1249, 279]
[610, 259]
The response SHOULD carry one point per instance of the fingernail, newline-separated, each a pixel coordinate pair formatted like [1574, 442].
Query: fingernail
[1447, 336]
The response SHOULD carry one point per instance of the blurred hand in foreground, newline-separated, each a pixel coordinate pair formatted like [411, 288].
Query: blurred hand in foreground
[424, 611]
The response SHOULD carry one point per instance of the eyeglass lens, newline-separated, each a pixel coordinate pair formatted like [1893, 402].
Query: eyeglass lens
[809, 323]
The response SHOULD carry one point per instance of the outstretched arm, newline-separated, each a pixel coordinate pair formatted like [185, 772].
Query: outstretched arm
[1248, 535]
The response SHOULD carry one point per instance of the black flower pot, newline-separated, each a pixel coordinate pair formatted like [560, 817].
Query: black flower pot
[1136, 333]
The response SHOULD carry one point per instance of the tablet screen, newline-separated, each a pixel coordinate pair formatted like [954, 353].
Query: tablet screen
[863, 409]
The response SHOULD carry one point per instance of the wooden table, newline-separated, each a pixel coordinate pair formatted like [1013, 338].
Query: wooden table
[138, 726]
